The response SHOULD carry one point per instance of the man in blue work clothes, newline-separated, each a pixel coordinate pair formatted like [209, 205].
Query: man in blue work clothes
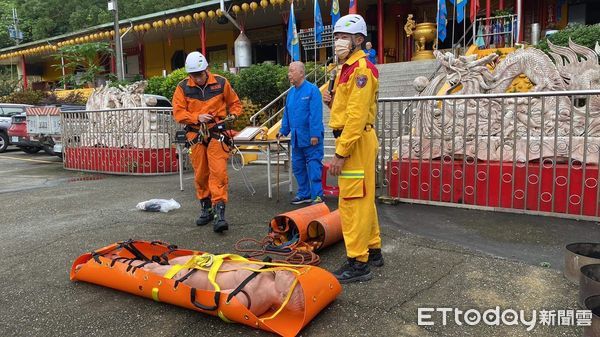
[371, 53]
[303, 118]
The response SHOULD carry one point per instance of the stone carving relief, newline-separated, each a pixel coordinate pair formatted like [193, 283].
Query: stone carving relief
[511, 129]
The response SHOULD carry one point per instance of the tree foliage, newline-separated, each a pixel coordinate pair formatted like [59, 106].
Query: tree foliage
[581, 34]
[9, 81]
[165, 86]
[41, 19]
[41, 97]
[33, 97]
[170, 84]
[5, 20]
[262, 83]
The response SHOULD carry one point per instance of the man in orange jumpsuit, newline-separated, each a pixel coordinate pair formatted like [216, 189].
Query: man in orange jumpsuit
[202, 100]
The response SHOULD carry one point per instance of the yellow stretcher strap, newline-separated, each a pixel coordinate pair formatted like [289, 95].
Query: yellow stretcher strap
[155, 294]
[173, 271]
[222, 317]
[214, 263]
[285, 302]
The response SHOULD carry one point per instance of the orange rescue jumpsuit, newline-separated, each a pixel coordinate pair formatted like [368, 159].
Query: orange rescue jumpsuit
[209, 161]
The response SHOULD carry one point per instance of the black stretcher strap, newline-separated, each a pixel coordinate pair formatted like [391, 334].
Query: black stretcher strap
[129, 266]
[96, 257]
[246, 281]
[124, 259]
[185, 277]
[202, 306]
[140, 266]
[128, 245]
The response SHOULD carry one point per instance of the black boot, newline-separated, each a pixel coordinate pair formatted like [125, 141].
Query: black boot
[220, 223]
[375, 257]
[353, 271]
[206, 214]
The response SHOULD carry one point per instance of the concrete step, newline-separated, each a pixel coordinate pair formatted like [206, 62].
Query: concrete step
[397, 92]
[396, 79]
[397, 85]
[392, 76]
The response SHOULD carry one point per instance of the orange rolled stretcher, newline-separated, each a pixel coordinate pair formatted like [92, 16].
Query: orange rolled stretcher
[319, 287]
[297, 235]
[314, 225]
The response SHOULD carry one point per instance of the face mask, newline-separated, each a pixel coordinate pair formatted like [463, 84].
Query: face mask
[342, 48]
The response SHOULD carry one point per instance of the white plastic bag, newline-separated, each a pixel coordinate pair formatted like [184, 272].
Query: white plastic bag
[158, 205]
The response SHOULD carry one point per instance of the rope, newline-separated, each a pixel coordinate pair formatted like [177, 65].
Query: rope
[237, 158]
[295, 252]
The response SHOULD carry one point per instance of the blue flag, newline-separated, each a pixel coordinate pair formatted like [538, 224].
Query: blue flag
[460, 9]
[335, 12]
[442, 20]
[293, 44]
[318, 23]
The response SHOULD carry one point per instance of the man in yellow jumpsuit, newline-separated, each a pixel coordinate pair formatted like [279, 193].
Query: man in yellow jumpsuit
[353, 111]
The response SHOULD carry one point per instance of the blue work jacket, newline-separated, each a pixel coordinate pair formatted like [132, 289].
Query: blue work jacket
[303, 115]
[371, 55]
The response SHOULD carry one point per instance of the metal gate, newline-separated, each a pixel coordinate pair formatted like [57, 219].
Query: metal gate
[534, 153]
[133, 141]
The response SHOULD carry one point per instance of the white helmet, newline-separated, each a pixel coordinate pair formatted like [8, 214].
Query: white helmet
[351, 24]
[195, 62]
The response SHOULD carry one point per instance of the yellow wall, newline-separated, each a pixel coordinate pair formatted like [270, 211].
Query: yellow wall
[85, 93]
[157, 55]
[389, 36]
[51, 73]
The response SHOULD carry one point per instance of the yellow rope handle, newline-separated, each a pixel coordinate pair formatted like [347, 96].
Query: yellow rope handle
[285, 301]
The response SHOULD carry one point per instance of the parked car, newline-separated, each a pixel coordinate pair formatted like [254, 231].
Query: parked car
[161, 101]
[47, 130]
[7, 111]
[19, 137]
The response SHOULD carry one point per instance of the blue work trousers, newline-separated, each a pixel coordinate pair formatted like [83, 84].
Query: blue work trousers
[307, 166]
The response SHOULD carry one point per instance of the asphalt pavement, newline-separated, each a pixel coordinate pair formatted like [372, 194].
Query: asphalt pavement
[436, 257]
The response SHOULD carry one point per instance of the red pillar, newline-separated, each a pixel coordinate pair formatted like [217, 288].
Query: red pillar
[380, 58]
[542, 16]
[203, 38]
[24, 71]
[501, 4]
[488, 11]
[113, 65]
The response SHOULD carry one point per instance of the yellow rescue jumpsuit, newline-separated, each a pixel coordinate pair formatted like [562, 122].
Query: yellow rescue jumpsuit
[353, 110]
